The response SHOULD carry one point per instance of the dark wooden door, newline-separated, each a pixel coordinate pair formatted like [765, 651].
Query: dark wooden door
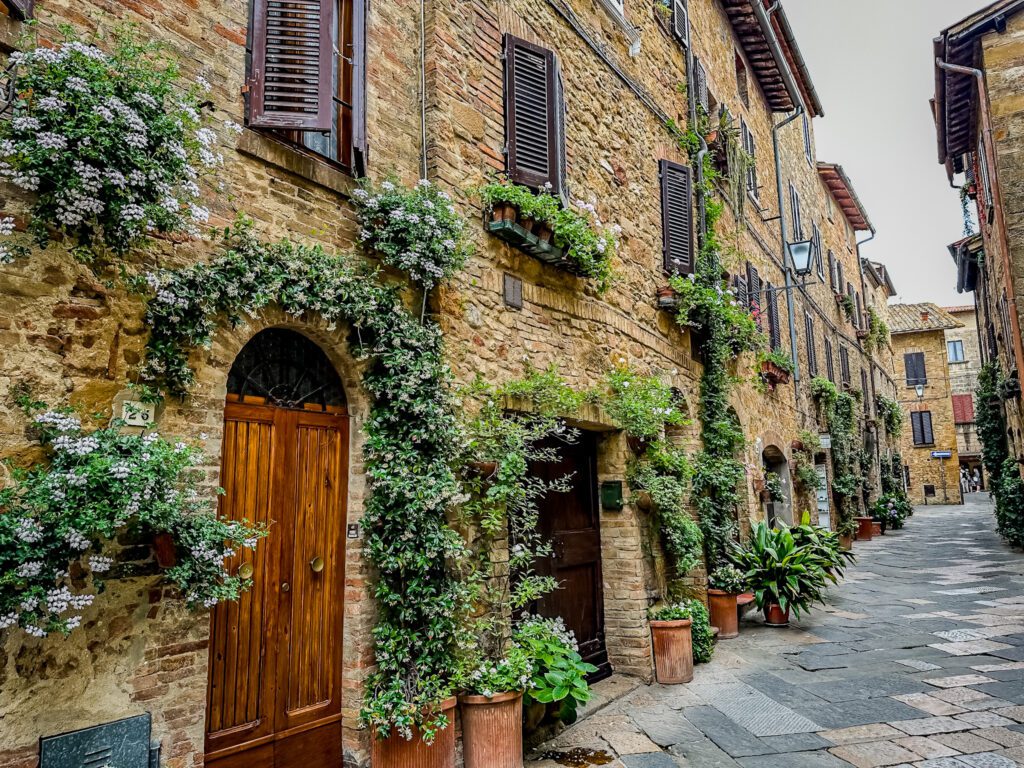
[570, 521]
[274, 692]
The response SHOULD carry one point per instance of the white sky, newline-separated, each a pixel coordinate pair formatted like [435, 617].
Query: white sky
[871, 63]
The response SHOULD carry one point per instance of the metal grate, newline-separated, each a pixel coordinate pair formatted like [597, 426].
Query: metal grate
[122, 743]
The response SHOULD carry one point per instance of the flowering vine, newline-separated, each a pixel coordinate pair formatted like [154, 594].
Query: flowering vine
[112, 145]
[57, 517]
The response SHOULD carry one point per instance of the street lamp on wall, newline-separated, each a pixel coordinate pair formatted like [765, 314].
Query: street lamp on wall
[920, 391]
[800, 255]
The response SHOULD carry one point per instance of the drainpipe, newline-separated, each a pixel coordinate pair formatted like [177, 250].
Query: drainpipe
[864, 304]
[787, 269]
[997, 196]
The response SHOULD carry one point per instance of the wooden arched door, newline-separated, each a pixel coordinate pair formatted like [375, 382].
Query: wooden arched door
[274, 690]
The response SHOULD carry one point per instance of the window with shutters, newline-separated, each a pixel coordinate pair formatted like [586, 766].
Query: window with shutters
[864, 392]
[534, 116]
[739, 284]
[774, 329]
[700, 86]
[20, 9]
[794, 209]
[830, 369]
[921, 427]
[819, 261]
[963, 409]
[812, 352]
[840, 277]
[305, 73]
[742, 85]
[754, 288]
[832, 277]
[750, 147]
[844, 365]
[913, 363]
[986, 182]
[807, 140]
[681, 21]
[677, 218]
[955, 351]
[858, 318]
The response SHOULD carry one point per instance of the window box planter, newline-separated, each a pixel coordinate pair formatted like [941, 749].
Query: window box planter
[773, 375]
[667, 298]
[520, 235]
[863, 333]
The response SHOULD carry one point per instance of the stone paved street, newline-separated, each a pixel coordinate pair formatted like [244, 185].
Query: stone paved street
[918, 659]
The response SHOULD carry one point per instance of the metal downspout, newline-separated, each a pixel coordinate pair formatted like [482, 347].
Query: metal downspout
[997, 195]
[874, 394]
[787, 270]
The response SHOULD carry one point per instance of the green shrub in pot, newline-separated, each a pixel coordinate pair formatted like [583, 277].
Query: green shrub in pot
[700, 625]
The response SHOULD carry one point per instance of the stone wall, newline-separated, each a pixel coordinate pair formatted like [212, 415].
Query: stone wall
[963, 376]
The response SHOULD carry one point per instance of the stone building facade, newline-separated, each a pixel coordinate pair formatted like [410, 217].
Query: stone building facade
[437, 106]
[977, 110]
[922, 370]
[963, 350]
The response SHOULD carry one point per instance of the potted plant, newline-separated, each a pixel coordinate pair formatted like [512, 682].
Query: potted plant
[864, 527]
[783, 575]
[681, 634]
[725, 585]
[775, 367]
[667, 297]
[773, 486]
[846, 531]
[492, 708]
[415, 748]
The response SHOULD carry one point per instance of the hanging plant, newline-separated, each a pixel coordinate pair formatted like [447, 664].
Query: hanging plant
[641, 405]
[892, 415]
[878, 332]
[59, 515]
[112, 145]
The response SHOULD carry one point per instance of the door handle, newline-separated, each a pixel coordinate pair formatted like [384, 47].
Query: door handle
[316, 564]
[285, 587]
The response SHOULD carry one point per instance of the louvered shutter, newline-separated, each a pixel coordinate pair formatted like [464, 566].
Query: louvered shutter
[531, 124]
[913, 362]
[830, 366]
[676, 218]
[359, 142]
[558, 184]
[812, 352]
[819, 261]
[22, 9]
[700, 85]
[858, 318]
[864, 391]
[292, 80]
[840, 277]
[740, 284]
[681, 21]
[915, 427]
[832, 270]
[926, 428]
[963, 409]
[844, 365]
[774, 331]
[754, 291]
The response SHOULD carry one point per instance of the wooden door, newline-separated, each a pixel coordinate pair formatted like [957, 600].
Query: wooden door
[274, 693]
[571, 522]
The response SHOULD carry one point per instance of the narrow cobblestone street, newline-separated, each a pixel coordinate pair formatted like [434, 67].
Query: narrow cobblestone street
[918, 659]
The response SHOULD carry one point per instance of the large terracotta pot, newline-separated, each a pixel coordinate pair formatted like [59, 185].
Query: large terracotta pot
[846, 542]
[165, 550]
[876, 528]
[774, 616]
[724, 613]
[864, 528]
[673, 651]
[492, 730]
[397, 752]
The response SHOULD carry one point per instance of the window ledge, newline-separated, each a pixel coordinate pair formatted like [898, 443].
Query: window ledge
[631, 31]
[285, 157]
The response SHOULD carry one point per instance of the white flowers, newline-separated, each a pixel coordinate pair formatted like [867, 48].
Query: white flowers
[76, 540]
[26, 124]
[29, 531]
[100, 564]
[29, 570]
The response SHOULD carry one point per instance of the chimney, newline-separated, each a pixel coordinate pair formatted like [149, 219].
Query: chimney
[924, 315]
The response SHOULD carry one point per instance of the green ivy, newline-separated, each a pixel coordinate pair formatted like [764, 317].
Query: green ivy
[878, 332]
[892, 415]
[1002, 469]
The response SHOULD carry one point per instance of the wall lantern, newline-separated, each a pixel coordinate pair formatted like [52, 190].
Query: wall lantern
[920, 391]
[611, 496]
[800, 256]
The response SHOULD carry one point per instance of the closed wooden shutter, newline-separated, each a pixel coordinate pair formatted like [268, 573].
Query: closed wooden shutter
[740, 286]
[559, 184]
[840, 278]
[774, 331]
[681, 21]
[531, 124]
[963, 409]
[832, 269]
[292, 79]
[794, 207]
[700, 85]
[812, 352]
[858, 319]
[864, 392]
[913, 363]
[844, 365]
[754, 287]
[830, 367]
[921, 426]
[676, 218]
[21, 9]
[819, 263]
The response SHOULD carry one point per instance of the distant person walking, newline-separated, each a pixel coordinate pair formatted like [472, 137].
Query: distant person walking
[976, 480]
[965, 481]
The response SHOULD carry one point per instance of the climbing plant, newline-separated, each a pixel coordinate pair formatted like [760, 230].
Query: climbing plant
[1003, 470]
[878, 332]
[892, 415]
[412, 440]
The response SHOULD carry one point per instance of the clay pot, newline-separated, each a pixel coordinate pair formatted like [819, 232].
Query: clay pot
[864, 528]
[724, 613]
[526, 223]
[846, 542]
[165, 550]
[673, 651]
[492, 730]
[644, 502]
[543, 233]
[397, 752]
[484, 468]
[774, 616]
[876, 528]
[667, 297]
[505, 212]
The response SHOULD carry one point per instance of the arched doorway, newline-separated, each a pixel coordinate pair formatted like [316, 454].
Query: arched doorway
[274, 687]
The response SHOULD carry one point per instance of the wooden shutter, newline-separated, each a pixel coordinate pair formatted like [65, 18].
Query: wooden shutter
[531, 125]
[754, 292]
[832, 269]
[859, 317]
[794, 207]
[844, 365]
[864, 392]
[915, 427]
[676, 218]
[292, 83]
[359, 141]
[921, 425]
[774, 331]
[839, 276]
[740, 284]
[700, 85]
[913, 363]
[558, 184]
[963, 409]
[812, 352]
[830, 367]
[681, 21]
[21, 9]
[819, 263]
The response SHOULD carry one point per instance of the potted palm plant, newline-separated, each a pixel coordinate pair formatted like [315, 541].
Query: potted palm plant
[725, 585]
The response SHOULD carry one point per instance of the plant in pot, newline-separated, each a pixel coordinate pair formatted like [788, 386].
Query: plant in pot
[682, 636]
[783, 575]
[641, 406]
[846, 530]
[559, 674]
[774, 367]
[773, 486]
[725, 584]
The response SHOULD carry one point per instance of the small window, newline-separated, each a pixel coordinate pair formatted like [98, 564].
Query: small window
[742, 85]
[921, 426]
[794, 208]
[747, 140]
[807, 140]
[955, 350]
[830, 369]
[913, 364]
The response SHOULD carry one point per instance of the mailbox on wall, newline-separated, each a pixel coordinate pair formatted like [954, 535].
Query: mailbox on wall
[121, 743]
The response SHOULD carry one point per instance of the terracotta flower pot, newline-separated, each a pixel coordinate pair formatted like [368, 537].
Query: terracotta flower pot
[846, 542]
[543, 232]
[526, 223]
[864, 528]
[724, 613]
[667, 298]
[644, 502]
[492, 730]
[876, 528]
[505, 212]
[397, 752]
[484, 468]
[165, 550]
[774, 616]
[673, 651]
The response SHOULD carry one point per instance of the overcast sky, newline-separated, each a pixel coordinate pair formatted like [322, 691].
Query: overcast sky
[871, 62]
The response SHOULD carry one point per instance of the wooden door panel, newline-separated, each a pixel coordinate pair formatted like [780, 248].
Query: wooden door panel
[240, 689]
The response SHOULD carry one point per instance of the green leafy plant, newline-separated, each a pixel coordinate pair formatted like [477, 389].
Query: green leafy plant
[60, 515]
[892, 415]
[641, 405]
[849, 308]
[892, 510]
[415, 230]
[773, 485]
[700, 625]
[824, 392]
[703, 304]
[559, 673]
[775, 357]
[728, 579]
[878, 332]
[112, 144]
[803, 461]
[1002, 469]
[824, 545]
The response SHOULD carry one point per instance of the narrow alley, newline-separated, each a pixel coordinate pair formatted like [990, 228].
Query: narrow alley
[918, 659]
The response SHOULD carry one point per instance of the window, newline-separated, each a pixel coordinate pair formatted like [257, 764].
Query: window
[700, 86]
[807, 140]
[921, 426]
[832, 277]
[864, 392]
[20, 9]
[739, 283]
[955, 351]
[963, 409]
[913, 363]
[840, 277]
[858, 318]
[819, 262]
[534, 116]
[794, 207]
[681, 21]
[754, 292]
[742, 85]
[844, 365]
[812, 352]
[774, 330]
[986, 182]
[676, 218]
[305, 76]
[747, 139]
[829, 361]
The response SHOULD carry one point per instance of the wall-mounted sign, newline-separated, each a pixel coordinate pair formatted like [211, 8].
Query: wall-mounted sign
[942, 454]
[826, 440]
[135, 413]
